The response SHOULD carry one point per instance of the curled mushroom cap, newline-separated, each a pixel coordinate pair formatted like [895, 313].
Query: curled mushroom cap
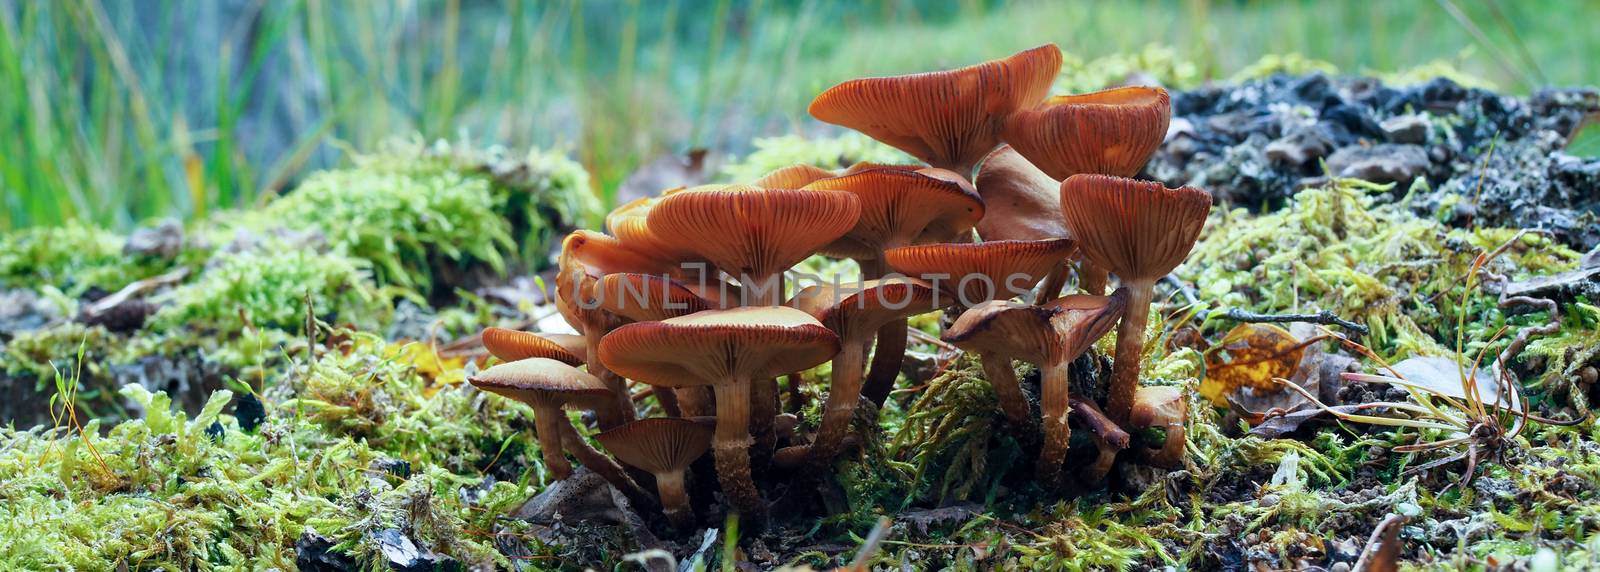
[628, 224]
[585, 258]
[1162, 407]
[706, 348]
[949, 119]
[513, 345]
[1111, 132]
[1021, 202]
[899, 206]
[971, 274]
[792, 177]
[754, 233]
[546, 385]
[1058, 331]
[1139, 230]
[647, 297]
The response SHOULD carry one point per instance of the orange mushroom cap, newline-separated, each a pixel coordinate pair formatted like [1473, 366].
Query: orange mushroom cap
[898, 207]
[1022, 203]
[658, 445]
[792, 177]
[542, 382]
[1056, 332]
[627, 223]
[513, 345]
[857, 313]
[646, 297]
[971, 274]
[949, 119]
[1111, 132]
[1138, 229]
[714, 346]
[754, 231]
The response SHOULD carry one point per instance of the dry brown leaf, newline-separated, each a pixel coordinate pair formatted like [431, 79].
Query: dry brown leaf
[1250, 356]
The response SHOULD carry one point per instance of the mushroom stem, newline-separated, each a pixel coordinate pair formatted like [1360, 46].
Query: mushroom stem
[891, 348]
[1092, 279]
[669, 402]
[1087, 413]
[621, 410]
[841, 407]
[694, 401]
[675, 499]
[1006, 388]
[731, 445]
[1108, 438]
[763, 411]
[1054, 406]
[1130, 349]
[547, 422]
[1053, 283]
[606, 467]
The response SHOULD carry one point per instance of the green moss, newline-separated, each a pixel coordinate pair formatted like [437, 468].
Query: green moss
[160, 493]
[421, 215]
[73, 258]
[1290, 64]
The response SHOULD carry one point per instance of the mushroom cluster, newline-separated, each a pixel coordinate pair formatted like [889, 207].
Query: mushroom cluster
[683, 306]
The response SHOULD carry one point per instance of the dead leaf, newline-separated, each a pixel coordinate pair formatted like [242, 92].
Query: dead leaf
[1443, 376]
[1278, 426]
[1250, 357]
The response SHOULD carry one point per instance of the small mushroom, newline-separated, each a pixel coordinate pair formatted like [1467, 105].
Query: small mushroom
[730, 350]
[949, 119]
[547, 386]
[856, 317]
[899, 207]
[664, 447]
[1141, 231]
[1049, 336]
[586, 257]
[1161, 407]
[1023, 203]
[752, 233]
[1110, 132]
[513, 345]
[1109, 439]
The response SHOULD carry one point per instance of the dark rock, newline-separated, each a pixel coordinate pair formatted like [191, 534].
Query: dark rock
[249, 411]
[1386, 163]
[397, 467]
[314, 553]
[1412, 129]
[125, 317]
[404, 556]
[165, 240]
[216, 431]
[23, 310]
[1356, 120]
[1302, 146]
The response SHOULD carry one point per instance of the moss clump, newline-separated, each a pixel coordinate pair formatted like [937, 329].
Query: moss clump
[167, 491]
[73, 259]
[424, 215]
[1338, 248]
[773, 153]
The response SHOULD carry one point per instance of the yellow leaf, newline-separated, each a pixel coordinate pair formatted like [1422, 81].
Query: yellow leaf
[1251, 355]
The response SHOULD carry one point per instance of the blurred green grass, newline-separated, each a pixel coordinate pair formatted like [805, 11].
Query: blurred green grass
[119, 111]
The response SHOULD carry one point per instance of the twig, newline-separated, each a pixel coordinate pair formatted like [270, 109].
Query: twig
[1383, 548]
[1324, 317]
[1187, 291]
